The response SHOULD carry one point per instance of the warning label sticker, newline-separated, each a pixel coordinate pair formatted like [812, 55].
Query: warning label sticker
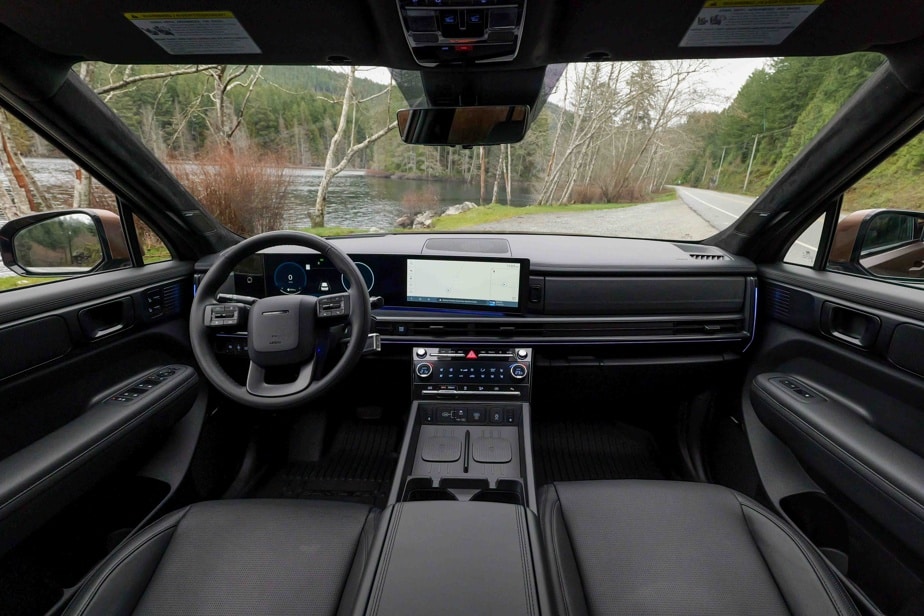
[731, 23]
[195, 32]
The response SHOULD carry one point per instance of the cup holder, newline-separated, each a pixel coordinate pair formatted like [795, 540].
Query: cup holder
[422, 489]
[507, 491]
[429, 494]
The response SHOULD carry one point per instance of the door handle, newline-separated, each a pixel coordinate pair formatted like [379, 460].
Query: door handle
[853, 326]
[108, 318]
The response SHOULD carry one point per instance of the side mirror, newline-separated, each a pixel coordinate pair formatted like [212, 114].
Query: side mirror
[883, 243]
[64, 243]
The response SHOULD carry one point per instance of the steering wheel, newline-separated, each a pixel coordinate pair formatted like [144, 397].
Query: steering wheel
[282, 331]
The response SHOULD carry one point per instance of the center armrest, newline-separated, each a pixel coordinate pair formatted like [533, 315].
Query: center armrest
[459, 558]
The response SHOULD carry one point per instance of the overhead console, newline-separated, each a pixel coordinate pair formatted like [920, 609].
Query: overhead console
[443, 32]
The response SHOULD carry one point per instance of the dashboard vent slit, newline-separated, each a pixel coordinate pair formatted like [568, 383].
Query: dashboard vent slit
[700, 256]
[622, 330]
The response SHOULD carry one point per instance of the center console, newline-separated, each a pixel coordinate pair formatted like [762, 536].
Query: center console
[461, 533]
[469, 438]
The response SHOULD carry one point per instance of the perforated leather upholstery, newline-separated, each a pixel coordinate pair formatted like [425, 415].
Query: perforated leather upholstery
[674, 548]
[267, 557]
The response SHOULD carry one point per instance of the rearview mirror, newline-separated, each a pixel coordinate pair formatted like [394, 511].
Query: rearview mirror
[64, 243]
[466, 126]
[884, 243]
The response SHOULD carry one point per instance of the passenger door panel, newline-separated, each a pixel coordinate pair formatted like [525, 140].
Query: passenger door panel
[831, 388]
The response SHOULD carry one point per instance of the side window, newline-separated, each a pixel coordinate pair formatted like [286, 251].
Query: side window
[880, 233]
[41, 242]
[804, 250]
[153, 249]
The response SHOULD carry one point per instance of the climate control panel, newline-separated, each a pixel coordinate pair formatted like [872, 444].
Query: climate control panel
[472, 373]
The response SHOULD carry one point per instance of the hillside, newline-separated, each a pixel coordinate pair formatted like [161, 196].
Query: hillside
[781, 107]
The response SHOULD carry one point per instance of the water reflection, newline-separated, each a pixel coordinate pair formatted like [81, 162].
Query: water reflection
[360, 201]
[355, 200]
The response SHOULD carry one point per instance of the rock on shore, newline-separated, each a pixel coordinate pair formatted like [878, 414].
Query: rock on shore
[424, 220]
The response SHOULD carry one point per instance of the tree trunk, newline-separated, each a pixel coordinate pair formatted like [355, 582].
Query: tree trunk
[320, 204]
[484, 169]
[509, 172]
[83, 188]
[20, 198]
[497, 175]
[331, 167]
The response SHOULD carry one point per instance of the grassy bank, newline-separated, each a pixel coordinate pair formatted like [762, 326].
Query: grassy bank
[15, 282]
[332, 231]
[496, 212]
[493, 213]
[891, 191]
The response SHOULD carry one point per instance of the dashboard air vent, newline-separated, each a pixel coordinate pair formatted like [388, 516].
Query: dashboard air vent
[564, 329]
[700, 256]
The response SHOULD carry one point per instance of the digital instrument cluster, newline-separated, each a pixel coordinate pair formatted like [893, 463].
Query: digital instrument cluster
[419, 282]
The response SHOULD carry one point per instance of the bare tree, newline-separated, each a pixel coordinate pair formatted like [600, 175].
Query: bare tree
[227, 118]
[612, 135]
[25, 195]
[594, 107]
[107, 91]
[121, 79]
[672, 97]
[332, 166]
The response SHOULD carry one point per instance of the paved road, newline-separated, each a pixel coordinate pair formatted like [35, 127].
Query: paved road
[668, 220]
[722, 209]
[717, 208]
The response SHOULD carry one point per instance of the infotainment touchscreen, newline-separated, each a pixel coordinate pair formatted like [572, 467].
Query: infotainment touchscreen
[481, 284]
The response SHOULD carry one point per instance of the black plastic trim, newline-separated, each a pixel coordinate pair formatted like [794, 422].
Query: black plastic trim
[898, 299]
[64, 294]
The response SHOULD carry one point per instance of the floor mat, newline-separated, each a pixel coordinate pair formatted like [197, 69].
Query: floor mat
[576, 451]
[359, 468]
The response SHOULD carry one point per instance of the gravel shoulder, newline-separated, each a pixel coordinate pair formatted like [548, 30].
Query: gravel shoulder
[669, 220]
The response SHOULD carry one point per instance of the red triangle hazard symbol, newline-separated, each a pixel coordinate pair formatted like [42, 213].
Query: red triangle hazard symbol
[471, 355]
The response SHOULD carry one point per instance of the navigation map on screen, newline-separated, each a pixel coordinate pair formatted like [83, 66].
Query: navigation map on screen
[476, 283]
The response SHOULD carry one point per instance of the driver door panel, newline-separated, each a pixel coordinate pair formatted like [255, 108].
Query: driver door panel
[69, 349]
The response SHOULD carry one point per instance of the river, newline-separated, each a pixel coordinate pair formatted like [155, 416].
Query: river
[354, 200]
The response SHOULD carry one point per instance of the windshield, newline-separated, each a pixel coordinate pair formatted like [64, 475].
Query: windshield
[670, 150]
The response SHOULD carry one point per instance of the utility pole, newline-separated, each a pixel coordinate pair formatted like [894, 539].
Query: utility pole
[722, 160]
[750, 162]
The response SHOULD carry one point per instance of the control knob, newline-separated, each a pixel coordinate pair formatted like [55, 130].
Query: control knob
[421, 353]
[518, 371]
[424, 370]
[522, 353]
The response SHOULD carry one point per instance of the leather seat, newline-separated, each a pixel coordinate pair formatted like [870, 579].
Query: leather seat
[667, 547]
[264, 557]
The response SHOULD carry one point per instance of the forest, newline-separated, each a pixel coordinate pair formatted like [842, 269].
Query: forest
[777, 111]
[620, 133]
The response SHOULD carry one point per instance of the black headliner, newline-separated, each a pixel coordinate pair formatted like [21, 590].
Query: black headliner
[368, 32]
[36, 84]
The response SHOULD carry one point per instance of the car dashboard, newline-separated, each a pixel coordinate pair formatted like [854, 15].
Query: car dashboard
[570, 290]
